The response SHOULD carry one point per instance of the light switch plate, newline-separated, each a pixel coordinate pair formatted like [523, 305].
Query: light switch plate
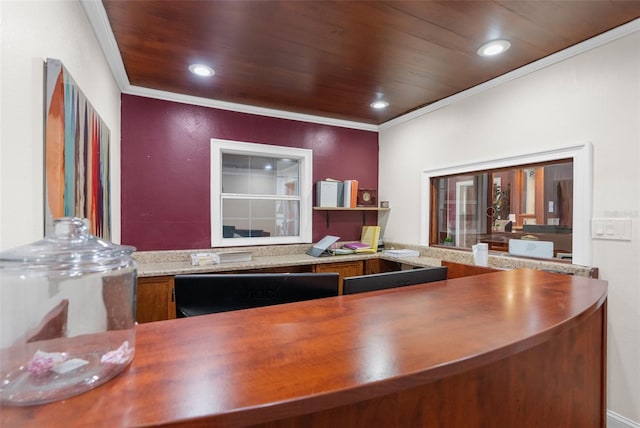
[617, 229]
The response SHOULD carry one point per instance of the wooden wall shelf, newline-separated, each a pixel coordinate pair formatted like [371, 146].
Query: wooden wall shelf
[363, 209]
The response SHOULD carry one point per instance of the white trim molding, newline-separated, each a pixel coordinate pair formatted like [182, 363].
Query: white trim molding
[244, 108]
[594, 42]
[615, 420]
[97, 16]
[582, 156]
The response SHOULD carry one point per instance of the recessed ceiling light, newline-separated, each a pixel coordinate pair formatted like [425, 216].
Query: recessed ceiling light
[379, 104]
[494, 47]
[201, 70]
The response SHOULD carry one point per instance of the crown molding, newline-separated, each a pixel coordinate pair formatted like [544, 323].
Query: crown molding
[615, 420]
[98, 19]
[594, 42]
[244, 108]
[97, 16]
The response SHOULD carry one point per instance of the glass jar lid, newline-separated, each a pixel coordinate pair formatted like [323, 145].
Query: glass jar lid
[69, 250]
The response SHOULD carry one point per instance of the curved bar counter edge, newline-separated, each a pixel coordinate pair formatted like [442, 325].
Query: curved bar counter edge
[507, 349]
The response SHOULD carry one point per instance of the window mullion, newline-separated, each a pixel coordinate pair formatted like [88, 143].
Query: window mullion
[239, 196]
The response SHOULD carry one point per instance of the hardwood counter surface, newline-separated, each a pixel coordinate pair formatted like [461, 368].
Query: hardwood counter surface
[513, 348]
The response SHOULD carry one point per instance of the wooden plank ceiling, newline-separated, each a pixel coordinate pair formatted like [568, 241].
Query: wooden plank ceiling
[333, 58]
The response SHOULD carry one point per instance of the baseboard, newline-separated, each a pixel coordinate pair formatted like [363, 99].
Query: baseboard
[615, 420]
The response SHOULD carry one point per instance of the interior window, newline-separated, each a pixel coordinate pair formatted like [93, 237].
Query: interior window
[260, 194]
[532, 202]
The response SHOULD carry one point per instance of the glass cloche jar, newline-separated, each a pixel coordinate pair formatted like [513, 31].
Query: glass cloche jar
[67, 314]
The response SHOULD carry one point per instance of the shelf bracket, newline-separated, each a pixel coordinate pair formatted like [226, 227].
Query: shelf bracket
[364, 218]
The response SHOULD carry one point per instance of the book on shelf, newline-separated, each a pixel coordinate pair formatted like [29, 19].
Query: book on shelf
[329, 193]
[350, 193]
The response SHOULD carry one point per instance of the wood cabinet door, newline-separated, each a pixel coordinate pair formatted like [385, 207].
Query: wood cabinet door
[155, 299]
[344, 269]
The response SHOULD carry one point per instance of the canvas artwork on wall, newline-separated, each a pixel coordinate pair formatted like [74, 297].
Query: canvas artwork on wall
[76, 154]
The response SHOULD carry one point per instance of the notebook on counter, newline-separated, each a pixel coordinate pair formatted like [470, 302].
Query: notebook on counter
[402, 252]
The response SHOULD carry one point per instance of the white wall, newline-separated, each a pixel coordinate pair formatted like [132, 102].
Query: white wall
[593, 97]
[30, 32]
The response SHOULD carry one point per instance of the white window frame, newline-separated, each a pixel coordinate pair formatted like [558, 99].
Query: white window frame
[582, 156]
[305, 159]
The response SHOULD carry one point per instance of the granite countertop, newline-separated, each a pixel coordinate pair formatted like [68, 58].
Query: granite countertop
[257, 262]
[160, 263]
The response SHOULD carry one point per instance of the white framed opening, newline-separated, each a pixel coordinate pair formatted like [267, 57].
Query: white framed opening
[260, 194]
[582, 156]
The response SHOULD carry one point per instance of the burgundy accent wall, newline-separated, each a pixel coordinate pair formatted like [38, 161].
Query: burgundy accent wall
[165, 168]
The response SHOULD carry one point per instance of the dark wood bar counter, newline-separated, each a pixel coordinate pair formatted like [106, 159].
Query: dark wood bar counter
[520, 348]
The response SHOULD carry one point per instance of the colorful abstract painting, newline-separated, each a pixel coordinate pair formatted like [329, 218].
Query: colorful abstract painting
[76, 155]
